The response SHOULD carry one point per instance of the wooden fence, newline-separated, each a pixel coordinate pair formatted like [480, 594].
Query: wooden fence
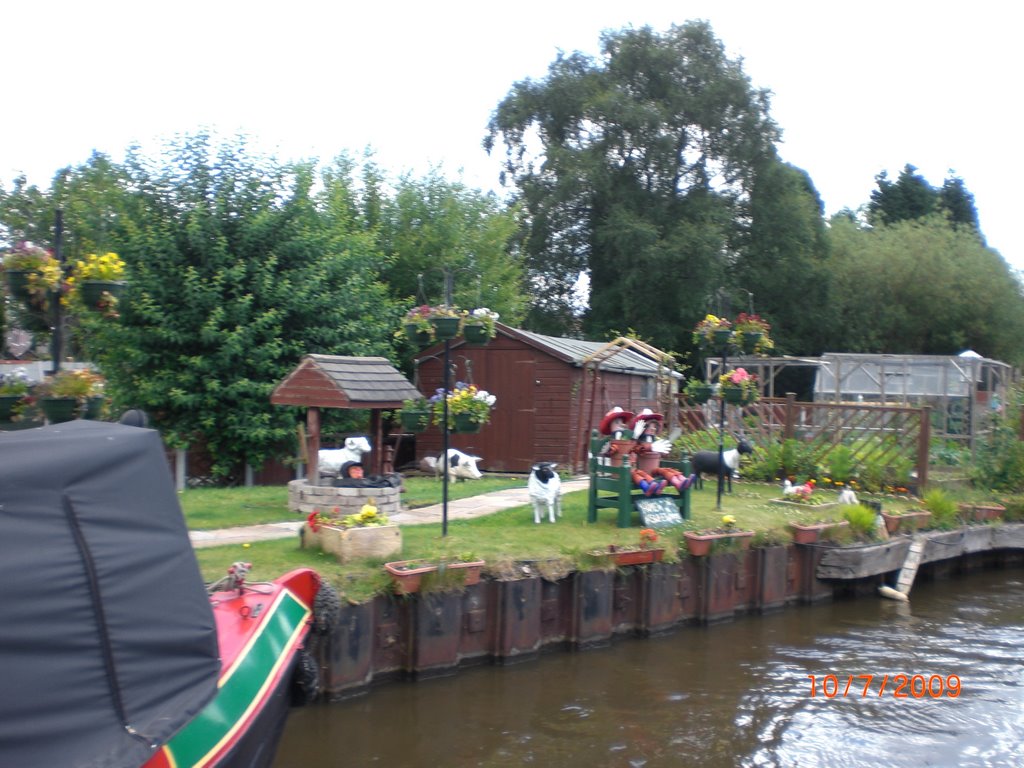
[877, 433]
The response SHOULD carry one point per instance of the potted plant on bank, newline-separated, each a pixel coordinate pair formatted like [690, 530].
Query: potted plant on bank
[71, 393]
[14, 387]
[469, 408]
[700, 543]
[644, 552]
[456, 572]
[415, 414]
[478, 326]
[98, 280]
[739, 387]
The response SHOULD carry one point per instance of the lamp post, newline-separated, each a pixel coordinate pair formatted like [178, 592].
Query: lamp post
[57, 314]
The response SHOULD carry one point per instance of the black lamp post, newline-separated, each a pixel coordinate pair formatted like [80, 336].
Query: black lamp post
[57, 314]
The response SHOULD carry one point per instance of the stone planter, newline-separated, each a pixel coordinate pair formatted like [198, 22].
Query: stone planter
[699, 544]
[348, 544]
[408, 575]
[811, 533]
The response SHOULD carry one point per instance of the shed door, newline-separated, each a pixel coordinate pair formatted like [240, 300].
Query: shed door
[510, 435]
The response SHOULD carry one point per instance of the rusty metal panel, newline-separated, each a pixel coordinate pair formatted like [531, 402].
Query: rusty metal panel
[438, 621]
[519, 607]
[720, 593]
[664, 591]
[391, 636]
[626, 599]
[592, 608]
[773, 573]
[812, 589]
[556, 610]
[345, 653]
[475, 638]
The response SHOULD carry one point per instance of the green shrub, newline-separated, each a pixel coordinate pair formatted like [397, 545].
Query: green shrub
[842, 464]
[862, 521]
[945, 511]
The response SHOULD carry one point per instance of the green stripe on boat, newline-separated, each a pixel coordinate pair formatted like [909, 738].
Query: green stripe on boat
[192, 745]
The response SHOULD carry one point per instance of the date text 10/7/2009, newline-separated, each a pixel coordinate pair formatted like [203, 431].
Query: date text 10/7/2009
[898, 686]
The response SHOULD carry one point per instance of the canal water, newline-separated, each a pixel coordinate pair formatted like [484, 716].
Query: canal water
[734, 694]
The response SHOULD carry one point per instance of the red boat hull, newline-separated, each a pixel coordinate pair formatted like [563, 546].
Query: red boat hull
[261, 633]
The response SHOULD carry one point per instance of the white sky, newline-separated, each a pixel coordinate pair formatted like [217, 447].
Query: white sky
[859, 87]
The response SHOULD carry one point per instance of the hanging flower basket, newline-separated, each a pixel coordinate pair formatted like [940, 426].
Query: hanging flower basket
[59, 409]
[721, 338]
[733, 395]
[418, 336]
[415, 420]
[92, 291]
[7, 406]
[445, 327]
[463, 422]
[698, 392]
[475, 334]
[94, 408]
[750, 341]
[18, 281]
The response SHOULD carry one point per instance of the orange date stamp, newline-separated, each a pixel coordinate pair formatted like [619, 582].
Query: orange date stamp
[897, 686]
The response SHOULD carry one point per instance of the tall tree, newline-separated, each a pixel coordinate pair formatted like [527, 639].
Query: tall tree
[958, 204]
[646, 156]
[783, 261]
[909, 197]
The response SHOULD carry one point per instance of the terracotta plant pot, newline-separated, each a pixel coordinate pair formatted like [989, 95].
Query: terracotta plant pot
[699, 544]
[407, 575]
[809, 534]
[624, 557]
[906, 523]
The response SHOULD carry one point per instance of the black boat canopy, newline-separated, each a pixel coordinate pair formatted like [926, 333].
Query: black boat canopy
[107, 638]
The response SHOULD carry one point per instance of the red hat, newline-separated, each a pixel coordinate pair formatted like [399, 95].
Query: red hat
[612, 415]
[645, 415]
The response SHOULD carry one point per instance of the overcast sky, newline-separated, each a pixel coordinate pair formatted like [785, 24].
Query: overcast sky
[858, 87]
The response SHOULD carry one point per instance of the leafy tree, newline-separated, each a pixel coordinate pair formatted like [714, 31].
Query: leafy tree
[909, 197]
[647, 155]
[432, 224]
[881, 303]
[238, 269]
[958, 204]
[784, 259]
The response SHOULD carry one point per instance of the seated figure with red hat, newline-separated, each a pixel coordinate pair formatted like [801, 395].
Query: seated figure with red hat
[650, 476]
[615, 426]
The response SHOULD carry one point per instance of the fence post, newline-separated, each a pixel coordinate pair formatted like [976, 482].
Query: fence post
[924, 440]
[789, 423]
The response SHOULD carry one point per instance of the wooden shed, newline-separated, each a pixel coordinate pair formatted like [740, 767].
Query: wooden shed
[332, 381]
[551, 392]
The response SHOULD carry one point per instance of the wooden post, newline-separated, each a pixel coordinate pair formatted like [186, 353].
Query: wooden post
[924, 439]
[313, 445]
[789, 415]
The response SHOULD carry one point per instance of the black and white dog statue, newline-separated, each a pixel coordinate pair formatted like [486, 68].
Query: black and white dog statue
[545, 487]
[706, 462]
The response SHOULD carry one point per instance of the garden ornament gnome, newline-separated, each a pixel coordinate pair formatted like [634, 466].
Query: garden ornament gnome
[615, 425]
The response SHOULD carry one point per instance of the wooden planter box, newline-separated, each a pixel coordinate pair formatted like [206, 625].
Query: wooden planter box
[699, 544]
[809, 534]
[348, 544]
[407, 575]
[906, 523]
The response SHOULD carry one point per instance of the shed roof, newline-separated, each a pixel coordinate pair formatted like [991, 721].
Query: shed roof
[334, 381]
[576, 352]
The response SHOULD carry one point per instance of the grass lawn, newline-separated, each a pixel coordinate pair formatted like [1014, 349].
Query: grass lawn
[502, 539]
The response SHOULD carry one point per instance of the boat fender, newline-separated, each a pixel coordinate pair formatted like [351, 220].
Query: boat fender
[305, 680]
[893, 594]
[326, 609]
